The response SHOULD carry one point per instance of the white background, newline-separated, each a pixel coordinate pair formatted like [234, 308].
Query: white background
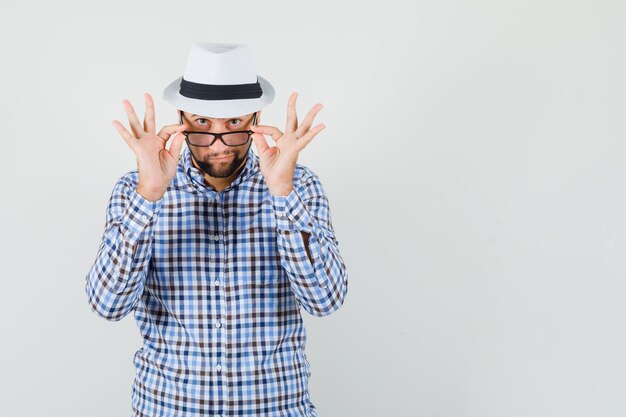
[473, 158]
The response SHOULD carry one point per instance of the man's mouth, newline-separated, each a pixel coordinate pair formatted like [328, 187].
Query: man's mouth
[221, 158]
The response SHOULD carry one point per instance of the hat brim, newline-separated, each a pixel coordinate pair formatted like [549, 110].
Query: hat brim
[218, 108]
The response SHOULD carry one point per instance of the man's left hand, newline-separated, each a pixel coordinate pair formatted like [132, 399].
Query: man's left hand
[278, 163]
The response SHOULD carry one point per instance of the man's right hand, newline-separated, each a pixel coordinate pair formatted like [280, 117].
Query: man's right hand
[156, 164]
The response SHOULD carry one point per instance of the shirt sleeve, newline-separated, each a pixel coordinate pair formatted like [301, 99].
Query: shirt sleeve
[320, 284]
[116, 279]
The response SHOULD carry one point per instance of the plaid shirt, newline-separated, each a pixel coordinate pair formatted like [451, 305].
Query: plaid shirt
[216, 282]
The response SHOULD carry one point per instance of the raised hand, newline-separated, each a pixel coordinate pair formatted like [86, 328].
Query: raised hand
[156, 164]
[278, 163]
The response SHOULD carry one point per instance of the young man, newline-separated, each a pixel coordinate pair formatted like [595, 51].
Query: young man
[215, 249]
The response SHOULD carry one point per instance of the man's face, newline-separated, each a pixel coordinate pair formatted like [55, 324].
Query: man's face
[218, 160]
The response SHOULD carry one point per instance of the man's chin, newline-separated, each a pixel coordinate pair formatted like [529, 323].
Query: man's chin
[212, 169]
[220, 174]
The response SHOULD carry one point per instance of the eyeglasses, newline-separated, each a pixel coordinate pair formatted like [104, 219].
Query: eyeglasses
[205, 139]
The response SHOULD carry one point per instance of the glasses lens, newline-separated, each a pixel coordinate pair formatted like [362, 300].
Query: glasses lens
[197, 139]
[236, 138]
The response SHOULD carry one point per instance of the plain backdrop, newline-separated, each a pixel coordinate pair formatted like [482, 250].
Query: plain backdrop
[474, 160]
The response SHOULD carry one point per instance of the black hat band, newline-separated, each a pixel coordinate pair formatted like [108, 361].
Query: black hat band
[219, 91]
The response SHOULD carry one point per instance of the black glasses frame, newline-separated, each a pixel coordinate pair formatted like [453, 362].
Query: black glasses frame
[216, 136]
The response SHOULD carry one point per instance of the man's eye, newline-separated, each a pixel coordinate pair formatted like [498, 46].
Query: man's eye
[197, 120]
[235, 120]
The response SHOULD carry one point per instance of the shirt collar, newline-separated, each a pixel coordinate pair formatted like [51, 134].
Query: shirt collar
[197, 177]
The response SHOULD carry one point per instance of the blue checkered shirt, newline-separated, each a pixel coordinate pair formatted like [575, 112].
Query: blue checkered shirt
[216, 281]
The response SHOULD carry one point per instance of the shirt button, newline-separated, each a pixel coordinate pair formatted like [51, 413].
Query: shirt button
[217, 282]
[218, 324]
[218, 367]
[216, 237]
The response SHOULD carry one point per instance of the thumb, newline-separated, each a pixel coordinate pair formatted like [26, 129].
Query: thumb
[260, 142]
[177, 144]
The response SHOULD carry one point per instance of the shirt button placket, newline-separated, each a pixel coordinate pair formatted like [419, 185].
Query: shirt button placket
[221, 297]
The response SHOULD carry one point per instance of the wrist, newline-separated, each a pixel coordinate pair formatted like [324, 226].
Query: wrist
[150, 195]
[281, 191]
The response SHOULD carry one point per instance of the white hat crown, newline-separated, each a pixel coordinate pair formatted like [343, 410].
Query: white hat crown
[211, 63]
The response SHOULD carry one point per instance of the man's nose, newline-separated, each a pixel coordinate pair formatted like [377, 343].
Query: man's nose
[218, 145]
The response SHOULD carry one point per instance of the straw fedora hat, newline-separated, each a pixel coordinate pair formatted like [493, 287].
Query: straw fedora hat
[220, 80]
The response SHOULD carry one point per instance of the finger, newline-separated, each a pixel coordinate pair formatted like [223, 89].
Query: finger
[304, 140]
[135, 124]
[128, 138]
[273, 131]
[260, 142]
[169, 130]
[308, 120]
[177, 144]
[148, 122]
[292, 116]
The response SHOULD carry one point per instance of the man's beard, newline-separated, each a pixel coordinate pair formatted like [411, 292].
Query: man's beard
[219, 169]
